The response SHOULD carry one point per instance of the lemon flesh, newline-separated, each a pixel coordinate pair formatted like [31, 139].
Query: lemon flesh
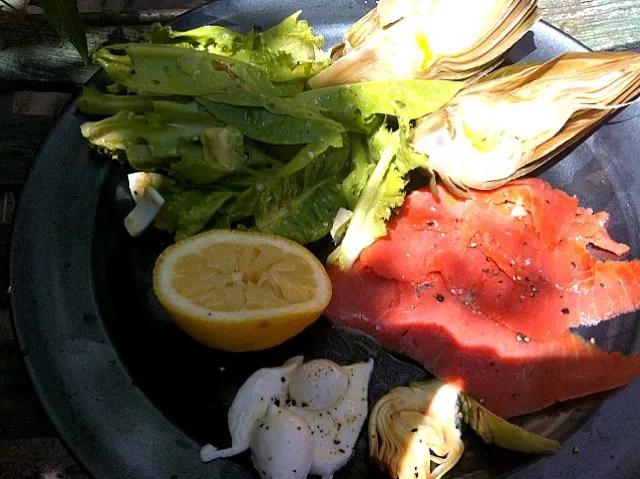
[241, 291]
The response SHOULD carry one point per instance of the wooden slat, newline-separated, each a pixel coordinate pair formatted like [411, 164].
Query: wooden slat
[109, 18]
[124, 12]
[20, 138]
[34, 53]
[132, 5]
[599, 24]
[37, 458]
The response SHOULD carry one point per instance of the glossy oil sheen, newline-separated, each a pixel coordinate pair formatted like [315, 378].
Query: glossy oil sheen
[133, 397]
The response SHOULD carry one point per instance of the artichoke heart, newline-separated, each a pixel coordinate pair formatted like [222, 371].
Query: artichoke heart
[432, 39]
[519, 117]
[413, 426]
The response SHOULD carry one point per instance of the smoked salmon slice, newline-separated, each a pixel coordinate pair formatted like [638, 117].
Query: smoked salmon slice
[518, 254]
[511, 373]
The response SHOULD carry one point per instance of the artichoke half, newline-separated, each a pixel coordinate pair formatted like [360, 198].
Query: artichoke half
[412, 427]
[518, 117]
[430, 39]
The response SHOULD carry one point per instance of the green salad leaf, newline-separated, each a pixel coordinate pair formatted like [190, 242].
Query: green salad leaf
[258, 157]
[194, 167]
[287, 52]
[279, 121]
[170, 70]
[150, 140]
[224, 113]
[188, 212]
[93, 102]
[375, 187]
[223, 145]
[301, 206]
[361, 168]
[244, 204]
[308, 154]
[216, 38]
[360, 106]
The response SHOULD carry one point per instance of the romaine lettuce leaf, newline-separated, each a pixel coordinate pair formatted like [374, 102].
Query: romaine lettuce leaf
[258, 157]
[170, 70]
[152, 139]
[382, 192]
[312, 151]
[301, 206]
[244, 205]
[407, 159]
[278, 121]
[223, 145]
[194, 167]
[375, 186]
[188, 212]
[358, 106]
[93, 102]
[215, 38]
[288, 51]
[361, 169]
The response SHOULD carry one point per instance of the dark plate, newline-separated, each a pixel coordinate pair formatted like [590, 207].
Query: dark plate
[135, 398]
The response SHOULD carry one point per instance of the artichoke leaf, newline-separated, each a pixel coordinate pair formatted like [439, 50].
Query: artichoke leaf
[403, 39]
[495, 430]
[518, 118]
[413, 426]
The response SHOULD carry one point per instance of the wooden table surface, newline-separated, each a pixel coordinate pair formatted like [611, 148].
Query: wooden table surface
[38, 75]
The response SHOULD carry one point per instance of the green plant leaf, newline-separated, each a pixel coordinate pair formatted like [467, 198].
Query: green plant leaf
[286, 52]
[359, 106]
[188, 212]
[278, 121]
[64, 16]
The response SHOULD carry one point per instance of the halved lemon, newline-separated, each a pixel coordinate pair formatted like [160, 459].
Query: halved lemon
[241, 291]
